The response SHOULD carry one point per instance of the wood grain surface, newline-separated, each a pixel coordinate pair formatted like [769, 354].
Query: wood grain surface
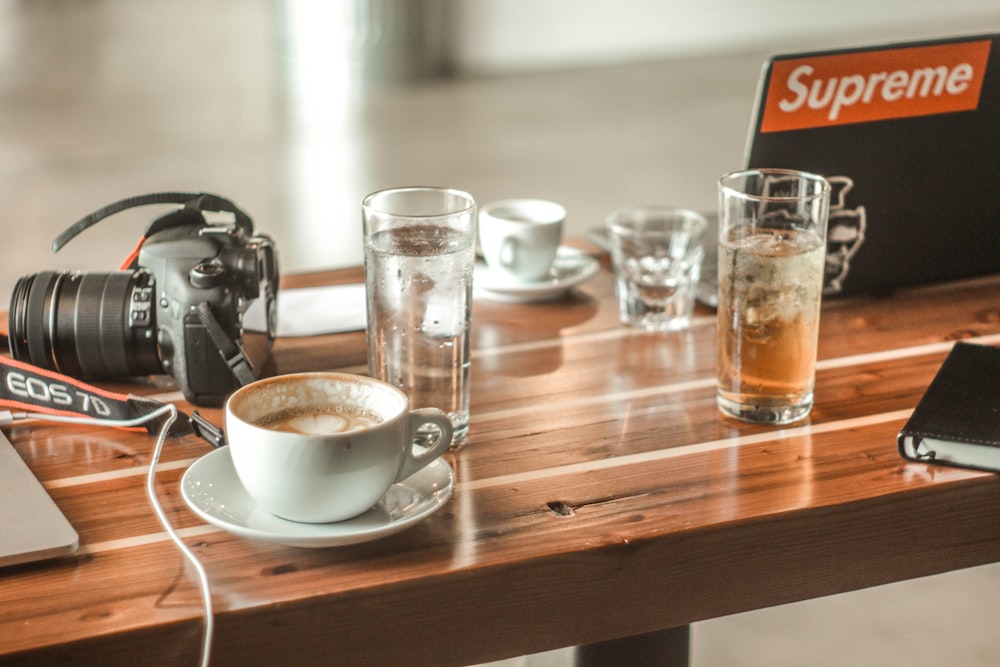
[600, 494]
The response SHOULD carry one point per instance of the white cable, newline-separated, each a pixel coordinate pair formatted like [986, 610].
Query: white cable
[206, 593]
[170, 411]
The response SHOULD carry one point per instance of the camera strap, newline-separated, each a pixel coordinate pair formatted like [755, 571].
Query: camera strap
[230, 350]
[193, 203]
[29, 388]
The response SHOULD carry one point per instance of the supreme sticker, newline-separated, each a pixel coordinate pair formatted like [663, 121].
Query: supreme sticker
[874, 85]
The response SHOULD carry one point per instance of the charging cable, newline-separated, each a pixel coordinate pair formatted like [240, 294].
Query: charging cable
[169, 411]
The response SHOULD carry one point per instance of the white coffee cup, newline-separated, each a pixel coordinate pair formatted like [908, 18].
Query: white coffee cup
[520, 237]
[314, 472]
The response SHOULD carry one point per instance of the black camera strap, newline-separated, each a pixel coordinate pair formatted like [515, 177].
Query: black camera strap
[28, 388]
[192, 202]
[228, 348]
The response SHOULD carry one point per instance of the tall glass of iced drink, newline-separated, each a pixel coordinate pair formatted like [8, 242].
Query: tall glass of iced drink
[772, 245]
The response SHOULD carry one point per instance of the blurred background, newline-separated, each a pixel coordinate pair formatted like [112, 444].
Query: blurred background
[296, 109]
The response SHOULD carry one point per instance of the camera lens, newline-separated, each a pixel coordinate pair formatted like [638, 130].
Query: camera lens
[85, 324]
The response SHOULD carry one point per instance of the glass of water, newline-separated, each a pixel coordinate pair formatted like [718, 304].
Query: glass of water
[419, 257]
[656, 252]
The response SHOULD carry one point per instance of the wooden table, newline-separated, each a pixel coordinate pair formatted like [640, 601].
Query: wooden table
[600, 496]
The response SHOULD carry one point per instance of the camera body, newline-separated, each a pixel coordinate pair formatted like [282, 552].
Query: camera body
[228, 271]
[178, 309]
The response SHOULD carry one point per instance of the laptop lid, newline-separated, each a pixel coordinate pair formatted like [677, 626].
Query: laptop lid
[909, 136]
[32, 527]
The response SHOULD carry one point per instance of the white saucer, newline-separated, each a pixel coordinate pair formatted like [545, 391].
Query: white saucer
[213, 491]
[569, 269]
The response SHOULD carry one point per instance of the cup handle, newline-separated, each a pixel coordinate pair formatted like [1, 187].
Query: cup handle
[414, 461]
[508, 253]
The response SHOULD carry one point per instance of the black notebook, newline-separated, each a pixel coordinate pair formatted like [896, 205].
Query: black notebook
[957, 421]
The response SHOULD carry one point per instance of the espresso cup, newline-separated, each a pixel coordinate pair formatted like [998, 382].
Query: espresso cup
[325, 447]
[520, 237]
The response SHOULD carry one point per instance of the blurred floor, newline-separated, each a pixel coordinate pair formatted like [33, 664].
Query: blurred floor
[104, 99]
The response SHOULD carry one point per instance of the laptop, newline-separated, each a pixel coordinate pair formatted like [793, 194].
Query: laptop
[32, 527]
[908, 136]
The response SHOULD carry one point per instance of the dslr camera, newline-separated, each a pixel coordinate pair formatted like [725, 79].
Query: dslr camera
[175, 306]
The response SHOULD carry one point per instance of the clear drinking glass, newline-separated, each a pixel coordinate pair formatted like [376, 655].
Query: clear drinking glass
[419, 256]
[657, 253]
[772, 248]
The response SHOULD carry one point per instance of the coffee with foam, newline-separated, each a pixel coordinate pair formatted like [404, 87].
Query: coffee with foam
[323, 447]
[312, 421]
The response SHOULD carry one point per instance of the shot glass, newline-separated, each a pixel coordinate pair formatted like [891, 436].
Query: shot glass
[772, 248]
[656, 252]
[419, 256]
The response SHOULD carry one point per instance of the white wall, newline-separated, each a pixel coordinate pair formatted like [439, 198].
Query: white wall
[495, 36]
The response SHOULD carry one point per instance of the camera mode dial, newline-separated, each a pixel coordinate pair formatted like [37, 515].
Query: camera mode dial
[207, 275]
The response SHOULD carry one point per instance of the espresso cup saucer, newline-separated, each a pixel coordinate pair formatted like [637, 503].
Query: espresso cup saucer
[213, 491]
[570, 268]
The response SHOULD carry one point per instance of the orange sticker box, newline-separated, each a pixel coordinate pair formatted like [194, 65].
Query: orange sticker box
[866, 86]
